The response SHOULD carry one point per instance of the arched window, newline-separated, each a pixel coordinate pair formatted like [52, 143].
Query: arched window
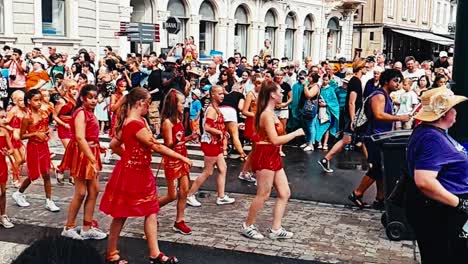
[333, 38]
[289, 37]
[207, 28]
[177, 8]
[241, 30]
[308, 36]
[270, 29]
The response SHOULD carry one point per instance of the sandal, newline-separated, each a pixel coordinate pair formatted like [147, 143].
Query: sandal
[159, 259]
[357, 200]
[114, 258]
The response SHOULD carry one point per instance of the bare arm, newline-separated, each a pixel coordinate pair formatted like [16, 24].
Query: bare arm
[245, 109]
[289, 99]
[427, 182]
[240, 106]
[268, 120]
[24, 133]
[116, 104]
[352, 105]
[167, 133]
[116, 146]
[80, 134]
[378, 108]
[311, 92]
[57, 109]
[211, 114]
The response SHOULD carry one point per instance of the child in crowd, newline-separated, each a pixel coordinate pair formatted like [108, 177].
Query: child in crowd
[6, 148]
[408, 101]
[195, 111]
[101, 112]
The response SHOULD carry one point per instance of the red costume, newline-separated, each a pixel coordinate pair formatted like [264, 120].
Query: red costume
[131, 189]
[65, 114]
[266, 155]
[3, 164]
[250, 121]
[15, 123]
[114, 116]
[74, 159]
[175, 168]
[37, 150]
[212, 145]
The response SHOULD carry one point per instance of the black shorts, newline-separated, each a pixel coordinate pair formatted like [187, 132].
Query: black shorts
[374, 159]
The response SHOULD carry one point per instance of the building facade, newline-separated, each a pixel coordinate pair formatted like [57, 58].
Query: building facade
[300, 28]
[400, 28]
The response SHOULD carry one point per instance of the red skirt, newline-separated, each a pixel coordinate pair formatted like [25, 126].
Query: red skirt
[37, 159]
[249, 127]
[17, 143]
[3, 169]
[211, 150]
[175, 168]
[266, 157]
[63, 132]
[77, 163]
[130, 192]
[113, 122]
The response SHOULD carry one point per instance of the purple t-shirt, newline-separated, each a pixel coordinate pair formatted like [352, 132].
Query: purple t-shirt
[432, 149]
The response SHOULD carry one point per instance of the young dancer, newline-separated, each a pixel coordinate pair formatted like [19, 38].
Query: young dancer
[116, 103]
[267, 163]
[131, 190]
[15, 118]
[176, 171]
[82, 157]
[6, 148]
[212, 147]
[35, 128]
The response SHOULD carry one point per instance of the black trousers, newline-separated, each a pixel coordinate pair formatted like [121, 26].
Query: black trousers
[437, 228]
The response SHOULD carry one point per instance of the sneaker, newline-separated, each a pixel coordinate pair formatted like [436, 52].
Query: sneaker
[50, 205]
[182, 228]
[319, 146]
[93, 233]
[282, 154]
[225, 200]
[192, 201]
[304, 145]
[107, 157]
[246, 176]
[20, 199]
[325, 164]
[309, 148]
[279, 234]
[6, 222]
[325, 147]
[251, 232]
[71, 233]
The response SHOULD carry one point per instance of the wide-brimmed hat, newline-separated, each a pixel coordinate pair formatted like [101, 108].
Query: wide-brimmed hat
[197, 71]
[436, 102]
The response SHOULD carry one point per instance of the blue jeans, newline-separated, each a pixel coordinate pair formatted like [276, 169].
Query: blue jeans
[309, 130]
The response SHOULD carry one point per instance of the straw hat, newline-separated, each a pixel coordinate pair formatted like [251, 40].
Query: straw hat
[197, 71]
[436, 102]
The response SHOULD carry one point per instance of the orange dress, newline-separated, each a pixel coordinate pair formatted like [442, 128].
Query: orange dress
[114, 115]
[267, 156]
[131, 189]
[74, 159]
[175, 168]
[250, 121]
[3, 164]
[211, 145]
[37, 151]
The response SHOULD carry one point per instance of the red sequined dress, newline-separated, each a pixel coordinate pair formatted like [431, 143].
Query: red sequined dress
[74, 159]
[65, 114]
[212, 145]
[114, 115]
[37, 150]
[266, 155]
[250, 121]
[3, 164]
[175, 168]
[131, 189]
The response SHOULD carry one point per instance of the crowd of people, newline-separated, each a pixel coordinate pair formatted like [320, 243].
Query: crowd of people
[150, 103]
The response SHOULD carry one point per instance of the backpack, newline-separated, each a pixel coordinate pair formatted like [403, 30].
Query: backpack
[360, 119]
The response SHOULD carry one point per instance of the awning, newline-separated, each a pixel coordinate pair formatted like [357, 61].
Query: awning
[427, 36]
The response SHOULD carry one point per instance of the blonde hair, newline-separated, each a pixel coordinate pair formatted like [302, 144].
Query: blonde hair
[68, 83]
[15, 95]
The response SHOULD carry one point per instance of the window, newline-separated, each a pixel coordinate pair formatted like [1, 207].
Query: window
[207, 28]
[438, 13]
[289, 37]
[391, 8]
[414, 8]
[270, 29]
[371, 36]
[53, 17]
[404, 12]
[176, 8]
[425, 9]
[445, 14]
[333, 38]
[241, 31]
[308, 36]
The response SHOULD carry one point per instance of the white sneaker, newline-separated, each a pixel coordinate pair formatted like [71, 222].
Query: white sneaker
[251, 232]
[20, 199]
[93, 233]
[309, 148]
[6, 222]
[304, 145]
[50, 205]
[225, 200]
[71, 233]
[247, 176]
[107, 157]
[282, 154]
[192, 201]
[279, 234]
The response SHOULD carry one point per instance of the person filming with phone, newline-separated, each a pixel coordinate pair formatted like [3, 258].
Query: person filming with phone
[17, 72]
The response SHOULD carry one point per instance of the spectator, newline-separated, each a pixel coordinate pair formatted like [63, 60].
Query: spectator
[309, 104]
[398, 66]
[423, 85]
[328, 115]
[17, 72]
[412, 72]
[226, 80]
[267, 50]
[87, 70]
[408, 101]
[38, 77]
[442, 62]
[440, 81]
[374, 83]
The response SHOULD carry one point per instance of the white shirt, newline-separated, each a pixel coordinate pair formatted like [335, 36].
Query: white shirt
[414, 76]
[407, 101]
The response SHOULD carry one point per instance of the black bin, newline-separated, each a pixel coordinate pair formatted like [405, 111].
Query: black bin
[393, 150]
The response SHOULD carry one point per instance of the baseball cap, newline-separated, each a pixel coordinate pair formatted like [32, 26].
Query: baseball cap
[197, 93]
[443, 54]
[342, 60]
[206, 87]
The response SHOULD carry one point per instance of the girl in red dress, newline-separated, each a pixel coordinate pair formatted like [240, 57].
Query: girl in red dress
[15, 118]
[63, 115]
[266, 162]
[176, 171]
[212, 147]
[35, 128]
[82, 157]
[131, 190]
[116, 103]
[6, 148]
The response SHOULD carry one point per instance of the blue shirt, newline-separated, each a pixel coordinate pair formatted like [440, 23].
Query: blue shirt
[194, 109]
[432, 149]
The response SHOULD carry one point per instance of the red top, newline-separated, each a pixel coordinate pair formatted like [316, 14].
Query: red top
[92, 125]
[217, 124]
[176, 168]
[16, 121]
[42, 125]
[262, 135]
[136, 155]
[67, 108]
